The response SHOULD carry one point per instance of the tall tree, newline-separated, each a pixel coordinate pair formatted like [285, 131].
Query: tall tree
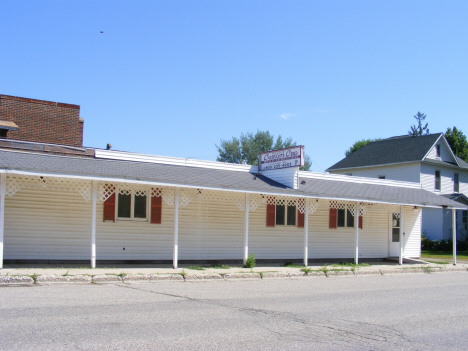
[418, 130]
[458, 142]
[246, 148]
[358, 144]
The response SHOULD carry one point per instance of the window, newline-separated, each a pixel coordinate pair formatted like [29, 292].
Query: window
[348, 174]
[381, 177]
[131, 206]
[395, 229]
[437, 180]
[285, 215]
[465, 216]
[438, 151]
[342, 218]
[456, 183]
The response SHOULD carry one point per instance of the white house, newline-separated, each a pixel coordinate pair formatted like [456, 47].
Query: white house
[63, 203]
[427, 160]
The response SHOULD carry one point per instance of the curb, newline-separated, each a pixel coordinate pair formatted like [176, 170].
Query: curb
[147, 278]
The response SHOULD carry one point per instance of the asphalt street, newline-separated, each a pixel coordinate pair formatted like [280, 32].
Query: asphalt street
[399, 312]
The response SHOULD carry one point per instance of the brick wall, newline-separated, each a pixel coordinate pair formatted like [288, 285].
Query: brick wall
[42, 121]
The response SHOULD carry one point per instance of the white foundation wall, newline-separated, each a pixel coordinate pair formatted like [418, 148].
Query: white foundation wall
[47, 225]
[412, 230]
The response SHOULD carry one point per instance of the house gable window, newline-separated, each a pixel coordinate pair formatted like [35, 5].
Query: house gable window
[456, 183]
[438, 151]
[437, 180]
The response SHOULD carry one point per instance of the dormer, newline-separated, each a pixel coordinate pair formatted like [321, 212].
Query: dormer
[441, 151]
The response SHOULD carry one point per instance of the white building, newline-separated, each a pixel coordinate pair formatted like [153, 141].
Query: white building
[61, 203]
[427, 160]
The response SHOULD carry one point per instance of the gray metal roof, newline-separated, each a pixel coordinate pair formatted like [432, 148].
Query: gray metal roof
[205, 177]
[406, 148]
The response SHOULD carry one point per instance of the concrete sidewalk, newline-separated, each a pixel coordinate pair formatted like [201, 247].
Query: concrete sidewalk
[40, 273]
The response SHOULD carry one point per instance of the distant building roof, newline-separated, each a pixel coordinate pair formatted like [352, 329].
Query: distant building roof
[400, 149]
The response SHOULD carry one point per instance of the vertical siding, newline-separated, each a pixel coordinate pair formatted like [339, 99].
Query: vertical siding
[286, 176]
[412, 229]
[407, 172]
[47, 225]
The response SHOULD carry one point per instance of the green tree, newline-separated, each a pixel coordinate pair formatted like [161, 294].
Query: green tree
[458, 142]
[358, 144]
[246, 148]
[418, 130]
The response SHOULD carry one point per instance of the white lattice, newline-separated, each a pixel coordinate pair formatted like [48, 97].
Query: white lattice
[168, 196]
[156, 192]
[186, 195]
[255, 201]
[301, 205]
[105, 191]
[315, 204]
[16, 182]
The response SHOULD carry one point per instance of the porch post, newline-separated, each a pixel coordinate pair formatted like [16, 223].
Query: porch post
[93, 224]
[356, 225]
[454, 235]
[175, 258]
[2, 214]
[306, 233]
[402, 234]
[246, 233]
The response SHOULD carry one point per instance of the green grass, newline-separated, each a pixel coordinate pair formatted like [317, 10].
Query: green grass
[196, 268]
[292, 265]
[306, 270]
[223, 266]
[444, 255]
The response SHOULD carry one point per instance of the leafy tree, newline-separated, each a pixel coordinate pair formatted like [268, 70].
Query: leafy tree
[458, 142]
[418, 130]
[358, 144]
[246, 148]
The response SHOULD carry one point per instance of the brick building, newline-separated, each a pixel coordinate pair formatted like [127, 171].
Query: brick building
[40, 121]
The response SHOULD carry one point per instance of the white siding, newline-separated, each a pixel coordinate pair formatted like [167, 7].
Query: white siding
[406, 172]
[412, 230]
[285, 176]
[463, 178]
[45, 225]
[446, 178]
[432, 223]
[445, 152]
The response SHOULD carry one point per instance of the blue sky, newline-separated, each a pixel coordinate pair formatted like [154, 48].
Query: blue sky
[174, 77]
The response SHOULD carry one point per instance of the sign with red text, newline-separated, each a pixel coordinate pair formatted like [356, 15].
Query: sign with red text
[279, 159]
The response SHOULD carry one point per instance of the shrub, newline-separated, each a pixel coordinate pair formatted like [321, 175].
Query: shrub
[250, 261]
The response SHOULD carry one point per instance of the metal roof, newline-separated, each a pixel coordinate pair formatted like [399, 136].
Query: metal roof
[92, 168]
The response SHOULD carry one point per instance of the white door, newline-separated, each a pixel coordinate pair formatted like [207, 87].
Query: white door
[394, 236]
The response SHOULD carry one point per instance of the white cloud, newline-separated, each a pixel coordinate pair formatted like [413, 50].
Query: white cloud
[286, 115]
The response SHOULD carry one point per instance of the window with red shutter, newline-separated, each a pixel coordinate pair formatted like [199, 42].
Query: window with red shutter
[271, 215]
[333, 218]
[300, 219]
[156, 209]
[109, 208]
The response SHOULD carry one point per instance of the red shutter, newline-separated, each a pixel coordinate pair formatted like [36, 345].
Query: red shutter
[109, 208]
[333, 218]
[156, 209]
[271, 215]
[360, 222]
[300, 219]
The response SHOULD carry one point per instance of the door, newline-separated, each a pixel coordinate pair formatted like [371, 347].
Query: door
[394, 236]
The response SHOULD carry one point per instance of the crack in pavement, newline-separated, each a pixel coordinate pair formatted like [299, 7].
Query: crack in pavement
[338, 332]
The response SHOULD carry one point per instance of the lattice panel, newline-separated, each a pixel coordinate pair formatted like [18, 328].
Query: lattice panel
[315, 204]
[105, 191]
[256, 200]
[186, 195]
[16, 182]
[168, 196]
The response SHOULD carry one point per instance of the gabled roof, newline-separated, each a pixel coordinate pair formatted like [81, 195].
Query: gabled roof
[313, 185]
[461, 198]
[400, 149]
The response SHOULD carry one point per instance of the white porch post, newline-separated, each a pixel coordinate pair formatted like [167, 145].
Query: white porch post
[306, 233]
[93, 224]
[402, 234]
[454, 235]
[246, 232]
[2, 214]
[356, 225]
[175, 258]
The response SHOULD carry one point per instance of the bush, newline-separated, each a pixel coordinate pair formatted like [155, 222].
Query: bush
[443, 245]
[250, 261]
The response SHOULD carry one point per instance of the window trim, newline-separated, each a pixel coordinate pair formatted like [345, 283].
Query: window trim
[456, 184]
[438, 150]
[286, 216]
[132, 209]
[346, 211]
